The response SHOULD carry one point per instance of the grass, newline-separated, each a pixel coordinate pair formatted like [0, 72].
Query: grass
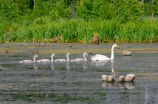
[81, 31]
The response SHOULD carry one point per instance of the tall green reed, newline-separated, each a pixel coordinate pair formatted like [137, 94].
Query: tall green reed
[81, 31]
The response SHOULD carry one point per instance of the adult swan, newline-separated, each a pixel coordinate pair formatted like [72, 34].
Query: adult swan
[99, 57]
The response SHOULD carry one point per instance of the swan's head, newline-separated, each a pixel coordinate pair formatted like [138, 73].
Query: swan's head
[115, 45]
[85, 53]
[35, 56]
[52, 55]
[68, 53]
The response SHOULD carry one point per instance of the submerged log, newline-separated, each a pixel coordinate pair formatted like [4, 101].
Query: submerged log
[126, 53]
[129, 78]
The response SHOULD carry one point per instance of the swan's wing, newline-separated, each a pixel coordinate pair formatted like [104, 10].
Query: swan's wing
[78, 59]
[60, 60]
[98, 57]
[26, 61]
[43, 60]
[39, 60]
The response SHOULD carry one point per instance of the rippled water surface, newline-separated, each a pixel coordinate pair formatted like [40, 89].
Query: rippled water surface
[77, 83]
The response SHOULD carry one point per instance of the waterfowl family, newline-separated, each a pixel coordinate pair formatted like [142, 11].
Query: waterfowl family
[98, 57]
[30, 61]
[81, 59]
[64, 60]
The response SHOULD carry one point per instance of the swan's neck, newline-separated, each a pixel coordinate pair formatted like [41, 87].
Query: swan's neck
[34, 59]
[112, 53]
[68, 57]
[84, 56]
[52, 58]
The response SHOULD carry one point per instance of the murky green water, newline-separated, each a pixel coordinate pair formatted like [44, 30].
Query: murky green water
[53, 83]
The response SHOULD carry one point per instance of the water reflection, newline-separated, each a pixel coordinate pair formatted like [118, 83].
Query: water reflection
[35, 66]
[99, 63]
[78, 65]
[68, 67]
[112, 66]
[108, 84]
[85, 66]
[52, 66]
[128, 85]
[146, 95]
[126, 57]
[104, 64]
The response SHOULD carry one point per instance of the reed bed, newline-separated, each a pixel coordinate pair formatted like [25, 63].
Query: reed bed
[81, 31]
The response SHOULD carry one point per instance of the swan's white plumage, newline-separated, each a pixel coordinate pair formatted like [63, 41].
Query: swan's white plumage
[99, 57]
[64, 60]
[29, 61]
[47, 60]
[81, 59]
[43, 60]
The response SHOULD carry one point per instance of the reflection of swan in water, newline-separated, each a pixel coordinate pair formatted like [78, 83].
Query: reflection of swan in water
[85, 65]
[146, 95]
[81, 59]
[112, 66]
[35, 66]
[80, 64]
[64, 60]
[68, 67]
[52, 66]
[47, 60]
[30, 61]
[103, 64]
[99, 57]
[99, 63]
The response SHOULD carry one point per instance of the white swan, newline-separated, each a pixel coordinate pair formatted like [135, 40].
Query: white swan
[30, 61]
[64, 60]
[81, 59]
[98, 57]
[47, 60]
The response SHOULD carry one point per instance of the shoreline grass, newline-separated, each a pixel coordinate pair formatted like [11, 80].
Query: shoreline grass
[81, 31]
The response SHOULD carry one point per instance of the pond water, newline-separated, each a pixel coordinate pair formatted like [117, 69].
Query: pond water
[72, 82]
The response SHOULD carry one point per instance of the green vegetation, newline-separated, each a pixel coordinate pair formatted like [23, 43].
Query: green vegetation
[79, 20]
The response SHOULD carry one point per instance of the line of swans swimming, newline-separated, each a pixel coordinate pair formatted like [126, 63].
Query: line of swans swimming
[97, 57]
